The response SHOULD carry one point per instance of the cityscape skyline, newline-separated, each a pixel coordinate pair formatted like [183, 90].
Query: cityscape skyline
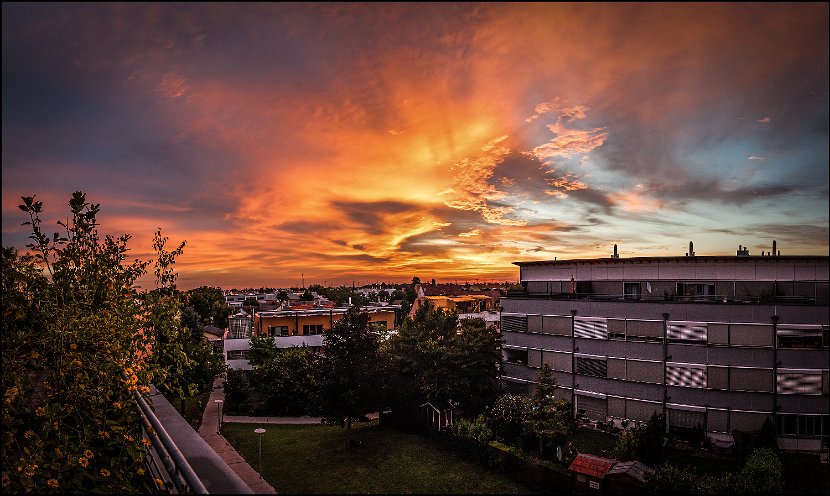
[378, 142]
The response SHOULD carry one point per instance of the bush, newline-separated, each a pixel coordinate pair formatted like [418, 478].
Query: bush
[477, 430]
[508, 415]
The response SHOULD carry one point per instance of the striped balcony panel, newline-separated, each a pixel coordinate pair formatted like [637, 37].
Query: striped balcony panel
[594, 367]
[684, 331]
[685, 375]
[591, 327]
[514, 323]
[792, 382]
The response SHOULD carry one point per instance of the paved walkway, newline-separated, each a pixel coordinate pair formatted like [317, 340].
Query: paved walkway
[209, 431]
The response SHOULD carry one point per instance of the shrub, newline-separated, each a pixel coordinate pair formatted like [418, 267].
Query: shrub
[477, 429]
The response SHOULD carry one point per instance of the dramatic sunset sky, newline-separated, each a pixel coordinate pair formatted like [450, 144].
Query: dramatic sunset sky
[384, 141]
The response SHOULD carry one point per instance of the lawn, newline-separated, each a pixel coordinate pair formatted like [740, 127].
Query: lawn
[594, 442]
[804, 474]
[316, 459]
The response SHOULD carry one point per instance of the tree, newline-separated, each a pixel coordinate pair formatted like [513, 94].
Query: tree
[287, 382]
[206, 301]
[350, 369]
[435, 361]
[78, 341]
[549, 420]
[262, 350]
[649, 438]
[508, 415]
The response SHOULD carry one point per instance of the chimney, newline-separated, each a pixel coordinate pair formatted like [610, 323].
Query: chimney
[774, 248]
[691, 249]
[743, 251]
[616, 255]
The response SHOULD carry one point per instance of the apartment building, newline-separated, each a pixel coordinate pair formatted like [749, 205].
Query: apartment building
[716, 342]
[298, 327]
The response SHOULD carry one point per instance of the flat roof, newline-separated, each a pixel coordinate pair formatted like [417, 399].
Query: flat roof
[696, 258]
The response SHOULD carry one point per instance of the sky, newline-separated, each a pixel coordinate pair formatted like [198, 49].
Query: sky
[331, 143]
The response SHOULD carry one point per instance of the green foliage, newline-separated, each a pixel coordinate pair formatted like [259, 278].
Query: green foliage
[761, 474]
[238, 389]
[549, 420]
[431, 361]
[78, 341]
[286, 383]
[508, 415]
[649, 440]
[69, 422]
[477, 429]
[340, 295]
[262, 350]
[350, 370]
[626, 447]
[210, 304]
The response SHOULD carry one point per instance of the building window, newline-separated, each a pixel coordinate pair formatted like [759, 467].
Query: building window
[238, 355]
[695, 291]
[797, 337]
[311, 329]
[631, 290]
[239, 328]
[802, 425]
[513, 355]
[276, 331]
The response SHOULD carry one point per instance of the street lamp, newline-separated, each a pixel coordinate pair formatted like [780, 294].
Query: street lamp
[218, 415]
[260, 431]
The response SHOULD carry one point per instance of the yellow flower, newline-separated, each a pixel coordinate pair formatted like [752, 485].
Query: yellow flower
[133, 379]
[53, 483]
[105, 472]
[128, 438]
[144, 389]
[104, 434]
[39, 411]
[140, 471]
[129, 371]
[146, 442]
[30, 470]
[159, 482]
[28, 434]
[72, 346]
[88, 454]
[117, 405]
[83, 462]
[35, 355]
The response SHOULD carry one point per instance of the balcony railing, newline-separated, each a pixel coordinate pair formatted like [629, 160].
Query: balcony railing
[778, 300]
[179, 457]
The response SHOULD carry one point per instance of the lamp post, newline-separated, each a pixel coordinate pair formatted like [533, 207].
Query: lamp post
[260, 431]
[218, 415]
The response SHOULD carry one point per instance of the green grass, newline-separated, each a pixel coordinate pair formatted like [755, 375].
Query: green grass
[194, 407]
[594, 442]
[316, 459]
[804, 474]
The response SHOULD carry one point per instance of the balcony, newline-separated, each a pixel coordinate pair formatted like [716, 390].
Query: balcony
[180, 457]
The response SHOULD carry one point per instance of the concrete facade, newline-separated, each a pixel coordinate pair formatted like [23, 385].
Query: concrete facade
[722, 343]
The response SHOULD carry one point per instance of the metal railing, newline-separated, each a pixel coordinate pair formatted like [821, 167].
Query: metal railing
[179, 471]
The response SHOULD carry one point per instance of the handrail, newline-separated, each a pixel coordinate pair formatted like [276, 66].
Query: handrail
[180, 471]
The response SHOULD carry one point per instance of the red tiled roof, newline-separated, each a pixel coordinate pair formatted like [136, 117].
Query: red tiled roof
[594, 466]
